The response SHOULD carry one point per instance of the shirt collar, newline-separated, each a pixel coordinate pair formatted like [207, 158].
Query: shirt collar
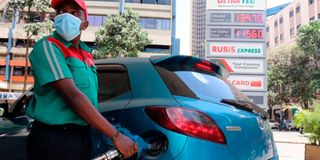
[68, 44]
[64, 42]
[85, 47]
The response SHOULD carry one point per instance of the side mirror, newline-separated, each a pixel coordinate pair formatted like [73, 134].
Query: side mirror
[1, 112]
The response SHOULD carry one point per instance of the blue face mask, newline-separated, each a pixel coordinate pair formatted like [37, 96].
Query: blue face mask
[67, 26]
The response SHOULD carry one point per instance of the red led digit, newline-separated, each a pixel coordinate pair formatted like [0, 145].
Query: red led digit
[253, 34]
[249, 33]
[260, 34]
[249, 18]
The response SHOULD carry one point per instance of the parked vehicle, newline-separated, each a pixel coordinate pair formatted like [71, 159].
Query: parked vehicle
[290, 125]
[274, 124]
[182, 106]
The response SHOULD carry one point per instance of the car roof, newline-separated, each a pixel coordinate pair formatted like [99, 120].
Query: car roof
[120, 60]
[147, 87]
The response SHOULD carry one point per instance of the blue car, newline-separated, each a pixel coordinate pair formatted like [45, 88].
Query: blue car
[182, 107]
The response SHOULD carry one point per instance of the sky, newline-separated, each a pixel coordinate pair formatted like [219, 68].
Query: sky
[272, 3]
[184, 22]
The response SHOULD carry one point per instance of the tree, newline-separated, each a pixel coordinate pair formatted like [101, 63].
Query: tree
[121, 36]
[295, 73]
[290, 77]
[33, 28]
[309, 42]
[279, 83]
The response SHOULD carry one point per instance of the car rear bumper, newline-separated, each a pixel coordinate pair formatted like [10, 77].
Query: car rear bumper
[201, 149]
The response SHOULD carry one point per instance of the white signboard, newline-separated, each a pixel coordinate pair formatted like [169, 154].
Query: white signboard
[236, 4]
[248, 82]
[259, 98]
[9, 95]
[244, 66]
[236, 49]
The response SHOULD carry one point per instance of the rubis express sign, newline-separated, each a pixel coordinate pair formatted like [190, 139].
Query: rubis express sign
[235, 49]
[248, 82]
[236, 4]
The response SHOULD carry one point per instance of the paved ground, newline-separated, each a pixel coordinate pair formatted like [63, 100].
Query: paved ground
[290, 145]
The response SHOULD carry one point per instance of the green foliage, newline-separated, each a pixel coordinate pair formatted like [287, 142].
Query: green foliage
[289, 75]
[309, 42]
[38, 5]
[311, 123]
[29, 10]
[299, 118]
[38, 29]
[295, 72]
[121, 36]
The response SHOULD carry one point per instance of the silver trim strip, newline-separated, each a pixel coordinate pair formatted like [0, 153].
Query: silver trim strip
[49, 60]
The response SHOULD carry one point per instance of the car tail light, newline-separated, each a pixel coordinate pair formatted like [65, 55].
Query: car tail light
[187, 122]
[205, 66]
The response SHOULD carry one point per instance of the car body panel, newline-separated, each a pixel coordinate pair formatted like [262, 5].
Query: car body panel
[258, 143]
[154, 93]
[139, 123]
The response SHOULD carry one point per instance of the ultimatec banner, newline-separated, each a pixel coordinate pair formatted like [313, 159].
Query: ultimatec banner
[236, 4]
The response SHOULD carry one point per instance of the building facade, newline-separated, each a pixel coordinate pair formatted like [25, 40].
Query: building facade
[282, 28]
[155, 18]
[198, 28]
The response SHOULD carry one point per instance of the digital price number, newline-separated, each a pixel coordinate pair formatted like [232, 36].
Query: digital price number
[248, 18]
[248, 33]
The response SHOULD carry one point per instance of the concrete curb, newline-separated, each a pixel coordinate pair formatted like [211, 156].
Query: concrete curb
[291, 142]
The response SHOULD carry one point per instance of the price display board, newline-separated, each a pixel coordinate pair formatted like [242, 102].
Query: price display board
[236, 18]
[239, 33]
[235, 39]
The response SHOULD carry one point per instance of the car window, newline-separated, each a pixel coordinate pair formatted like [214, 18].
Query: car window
[113, 82]
[188, 81]
[205, 86]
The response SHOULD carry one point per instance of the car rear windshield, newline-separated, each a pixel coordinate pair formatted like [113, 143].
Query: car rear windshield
[191, 82]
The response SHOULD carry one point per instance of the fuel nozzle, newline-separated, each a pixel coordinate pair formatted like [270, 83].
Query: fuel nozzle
[115, 154]
[110, 155]
[151, 146]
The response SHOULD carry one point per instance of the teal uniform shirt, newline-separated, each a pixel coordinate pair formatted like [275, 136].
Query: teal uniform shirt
[53, 59]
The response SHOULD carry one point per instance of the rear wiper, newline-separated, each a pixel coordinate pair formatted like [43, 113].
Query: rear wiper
[247, 106]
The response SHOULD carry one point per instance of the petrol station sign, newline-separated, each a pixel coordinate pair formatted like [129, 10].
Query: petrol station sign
[235, 39]
[248, 82]
[235, 49]
[236, 4]
[242, 66]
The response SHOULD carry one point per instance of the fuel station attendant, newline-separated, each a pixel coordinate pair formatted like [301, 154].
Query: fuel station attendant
[65, 92]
